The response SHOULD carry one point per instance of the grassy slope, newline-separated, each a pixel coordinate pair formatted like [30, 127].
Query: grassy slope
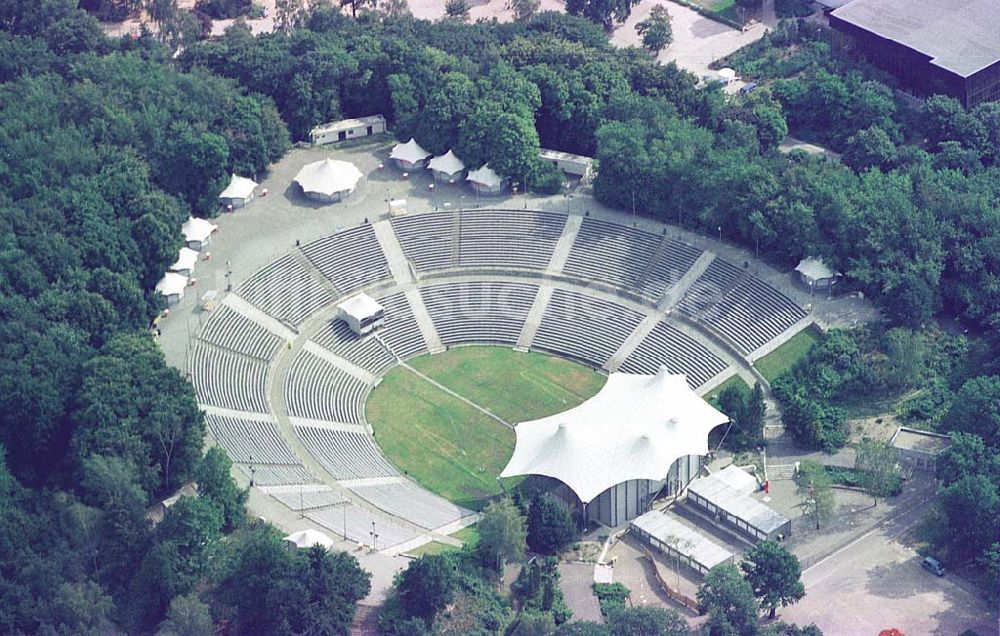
[448, 446]
[713, 396]
[784, 357]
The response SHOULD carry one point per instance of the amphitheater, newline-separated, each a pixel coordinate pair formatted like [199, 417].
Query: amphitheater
[284, 385]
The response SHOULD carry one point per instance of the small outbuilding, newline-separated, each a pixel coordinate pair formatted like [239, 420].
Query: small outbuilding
[575, 165]
[814, 274]
[345, 129]
[917, 448]
[447, 167]
[669, 536]
[361, 313]
[238, 193]
[305, 539]
[730, 506]
[198, 232]
[186, 261]
[328, 180]
[409, 156]
[485, 181]
[727, 75]
[172, 287]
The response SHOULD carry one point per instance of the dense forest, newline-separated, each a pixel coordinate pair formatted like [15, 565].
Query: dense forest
[110, 144]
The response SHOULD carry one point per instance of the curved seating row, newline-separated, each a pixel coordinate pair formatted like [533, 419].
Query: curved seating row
[229, 380]
[611, 253]
[350, 259]
[345, 454]
[479, 311]
[753, 313]
[428, 240]
[318, 390]
[585, 328]
[356, 524]
[412, 503]
[509, 238]
[666, 345]
[309, 499]
[400, 329]
[232, 330]
[285, 290]
[366, 352]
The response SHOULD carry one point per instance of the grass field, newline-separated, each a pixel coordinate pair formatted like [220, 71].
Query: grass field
[713, 396]
[468, 535]
[448, 446]
[784, 357]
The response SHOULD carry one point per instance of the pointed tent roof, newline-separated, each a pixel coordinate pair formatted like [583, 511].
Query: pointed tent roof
[196, 229]
[309, 538]
[411, 152]
[172, 284]
[634, 428]
[485, 176]
[815, 269]
[185, 260]
[328, 176]
[238, 188]
[447, 163]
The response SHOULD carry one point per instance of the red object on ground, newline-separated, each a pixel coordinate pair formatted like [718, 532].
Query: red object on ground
[767, 486]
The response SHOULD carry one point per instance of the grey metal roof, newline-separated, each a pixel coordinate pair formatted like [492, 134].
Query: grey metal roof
[741, 506]
[961, 36]
[682, 538]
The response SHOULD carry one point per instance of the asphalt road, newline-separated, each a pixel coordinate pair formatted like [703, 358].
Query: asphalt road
[876, 582]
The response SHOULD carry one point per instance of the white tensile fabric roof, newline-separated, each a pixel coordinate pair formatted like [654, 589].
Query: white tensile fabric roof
[360, 306]
[814, 268]
[485, 176]
[185, 260]
[309, 538]
[410, 151]
[196, 229]
[634, 428]
[238, 188]
[447, 163]
[172, 284]
[328, 176]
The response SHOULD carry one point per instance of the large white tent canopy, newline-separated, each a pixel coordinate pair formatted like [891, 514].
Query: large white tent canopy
[238, 188]
[447, 163]
[328, 177]
[410, 152]
[172, 284]
[634, 428]
[485, 176]
[196, 229]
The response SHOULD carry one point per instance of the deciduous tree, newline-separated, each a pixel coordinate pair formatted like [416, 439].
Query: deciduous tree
[502, 534]
[656, 31]
[774, 574]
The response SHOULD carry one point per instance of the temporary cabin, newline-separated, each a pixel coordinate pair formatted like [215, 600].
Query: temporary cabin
[186, 261]
[732, 507]
[485, 181]
[575, 165]
[679, 542]
[409, 156]
[238, 193]
[172, 287]
[361, 313]
[198, 232]
[447, 167]
[346, 129]
[919, 448]
[328, 180]
[814, 274]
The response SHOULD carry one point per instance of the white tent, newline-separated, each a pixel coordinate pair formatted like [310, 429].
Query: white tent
[727, 75]
[485, 180]
[186, 261]
[409, 155]
[447, 166]
[238, 192]
[172, 286]
[329, 179]
[198, 232]
[634, 428]
[814, 273]
[309, 538]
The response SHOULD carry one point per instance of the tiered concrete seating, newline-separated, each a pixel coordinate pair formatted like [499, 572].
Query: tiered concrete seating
[509, 238]
[258, 450]
[412, 503]
[427, 239]
[584, 328]
[315, 497]
[275, 475]
[285, 290]
[350, 259]
[676, 259]
[400, 330]
[229, 380]
[345, 454]
[365, 352]
[718, 278]
[753, 313]
[230, 329]
[611, 253]
[358, 522]
[487, 311]
[666, 345]
[317, 390]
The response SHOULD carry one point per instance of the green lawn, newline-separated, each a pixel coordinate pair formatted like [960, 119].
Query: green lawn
[468, 535]
[784, 357]
[515, 386]
[432, 547]
[453, 449]
[713, 396]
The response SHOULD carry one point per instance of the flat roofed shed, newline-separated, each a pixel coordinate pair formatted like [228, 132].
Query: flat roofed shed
[634, 428]
[961, 36]
[738, 508]
[667, 533]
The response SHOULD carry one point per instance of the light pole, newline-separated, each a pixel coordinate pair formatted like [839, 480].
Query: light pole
[720, 233]
[374, 538]
[229, 276]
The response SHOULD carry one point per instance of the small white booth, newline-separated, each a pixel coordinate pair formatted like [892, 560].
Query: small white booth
[186, 261]
[361, 313]
[305, 539]
[447, 167]
[346, 129]
[813, 273]
[172, 287]
[575, 165]
[409, 156]
[328, 180]
[198, 232]
[485, 181]
[238, 193]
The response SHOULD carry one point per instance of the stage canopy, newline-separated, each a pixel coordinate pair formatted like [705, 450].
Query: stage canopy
[634, 428]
